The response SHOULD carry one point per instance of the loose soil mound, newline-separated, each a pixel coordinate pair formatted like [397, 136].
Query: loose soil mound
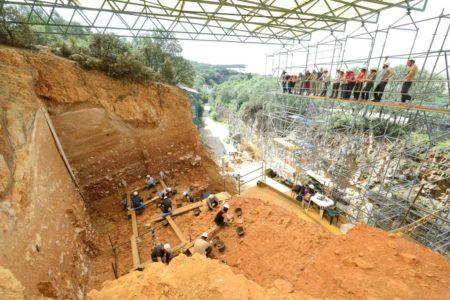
[188, 278]
[365, 263]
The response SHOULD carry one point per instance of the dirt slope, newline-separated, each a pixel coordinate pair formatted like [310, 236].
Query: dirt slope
[114, 132]
[364, 263]
[196, 277]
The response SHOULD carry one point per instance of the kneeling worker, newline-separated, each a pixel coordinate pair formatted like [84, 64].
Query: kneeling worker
[162, 253]
[220, 218]
[149, 182]
[137, 202]
[212, 201]
[201, 245]
[188, 197]
[166, 207]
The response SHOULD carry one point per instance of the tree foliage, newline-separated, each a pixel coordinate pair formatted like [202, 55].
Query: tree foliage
[13, 30]
[156, 57]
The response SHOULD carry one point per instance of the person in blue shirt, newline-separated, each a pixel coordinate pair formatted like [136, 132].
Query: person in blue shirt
[124, 202]
[138, 203]
[149, 182]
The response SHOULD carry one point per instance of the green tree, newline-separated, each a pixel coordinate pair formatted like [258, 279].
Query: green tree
[183, 71]
[13, 30]
[166, 71]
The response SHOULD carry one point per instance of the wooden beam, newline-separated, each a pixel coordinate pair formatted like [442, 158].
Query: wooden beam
[177, 229]
[164, 185]
[179, 211]
[135, 252]
[134, 223]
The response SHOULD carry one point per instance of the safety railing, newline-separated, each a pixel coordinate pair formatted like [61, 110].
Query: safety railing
[244, 179]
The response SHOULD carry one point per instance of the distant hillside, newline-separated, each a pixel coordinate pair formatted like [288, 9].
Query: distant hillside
[212, 75]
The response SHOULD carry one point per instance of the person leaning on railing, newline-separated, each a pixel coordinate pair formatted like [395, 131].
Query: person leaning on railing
[350, 82]
[336, 83]
[379, 89]
[325, 79]
[359, 82]
[370, 81]
[407, 83]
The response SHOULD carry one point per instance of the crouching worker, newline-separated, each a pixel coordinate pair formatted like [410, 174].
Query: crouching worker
[124, 202]
[221, 217]
[162, 253]
[138, 203]
[188, 197]
[149, 182]
[212, 201]
[166, 207]
[201, 245]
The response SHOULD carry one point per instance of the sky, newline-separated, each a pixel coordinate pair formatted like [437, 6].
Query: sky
[254, 55]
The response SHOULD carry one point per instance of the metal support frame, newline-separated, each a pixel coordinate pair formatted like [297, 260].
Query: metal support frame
[250, 21]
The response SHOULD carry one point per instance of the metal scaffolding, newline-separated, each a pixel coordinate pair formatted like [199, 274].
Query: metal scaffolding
[271, 22]
[382, 158]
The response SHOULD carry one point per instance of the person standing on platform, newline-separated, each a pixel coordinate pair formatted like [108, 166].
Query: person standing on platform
[379, 89]
[359, 83]
[370, 81]
[408, 81]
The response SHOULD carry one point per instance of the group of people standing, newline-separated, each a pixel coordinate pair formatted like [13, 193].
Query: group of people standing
[346, 83]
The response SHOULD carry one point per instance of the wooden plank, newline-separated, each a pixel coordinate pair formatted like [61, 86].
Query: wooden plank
[134, 223]
[177, 229]
[183, 247]
[179, 211]
[135, 252]
[164, 185]
[61, 149]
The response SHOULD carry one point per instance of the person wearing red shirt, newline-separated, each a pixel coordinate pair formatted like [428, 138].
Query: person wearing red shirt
[359, 83]
[349, 84]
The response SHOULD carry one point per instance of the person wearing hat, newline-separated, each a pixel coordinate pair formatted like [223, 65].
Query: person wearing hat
[138, 203]
[162, 253]
[201, 245]
[379, 89]
[325, 78]
[166, 206]
[149, 182]
[359, 83]
[188, 197]
[370, 81]
[220, 218]
[408, 80]
[212, 201]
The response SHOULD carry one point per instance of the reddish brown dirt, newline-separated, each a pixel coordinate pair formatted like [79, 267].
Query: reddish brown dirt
[113, 132]
[196, 277]
[365, 263]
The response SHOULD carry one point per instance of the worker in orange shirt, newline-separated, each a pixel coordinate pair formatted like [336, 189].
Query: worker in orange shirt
[407, 83]
[359, 82]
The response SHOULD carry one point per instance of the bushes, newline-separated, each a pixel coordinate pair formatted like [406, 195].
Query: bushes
[120, 59]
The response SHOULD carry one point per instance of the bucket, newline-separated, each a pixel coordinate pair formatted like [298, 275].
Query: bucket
[238, 211]
[240, 231]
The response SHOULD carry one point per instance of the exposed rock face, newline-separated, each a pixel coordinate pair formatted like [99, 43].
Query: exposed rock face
[112, 132]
